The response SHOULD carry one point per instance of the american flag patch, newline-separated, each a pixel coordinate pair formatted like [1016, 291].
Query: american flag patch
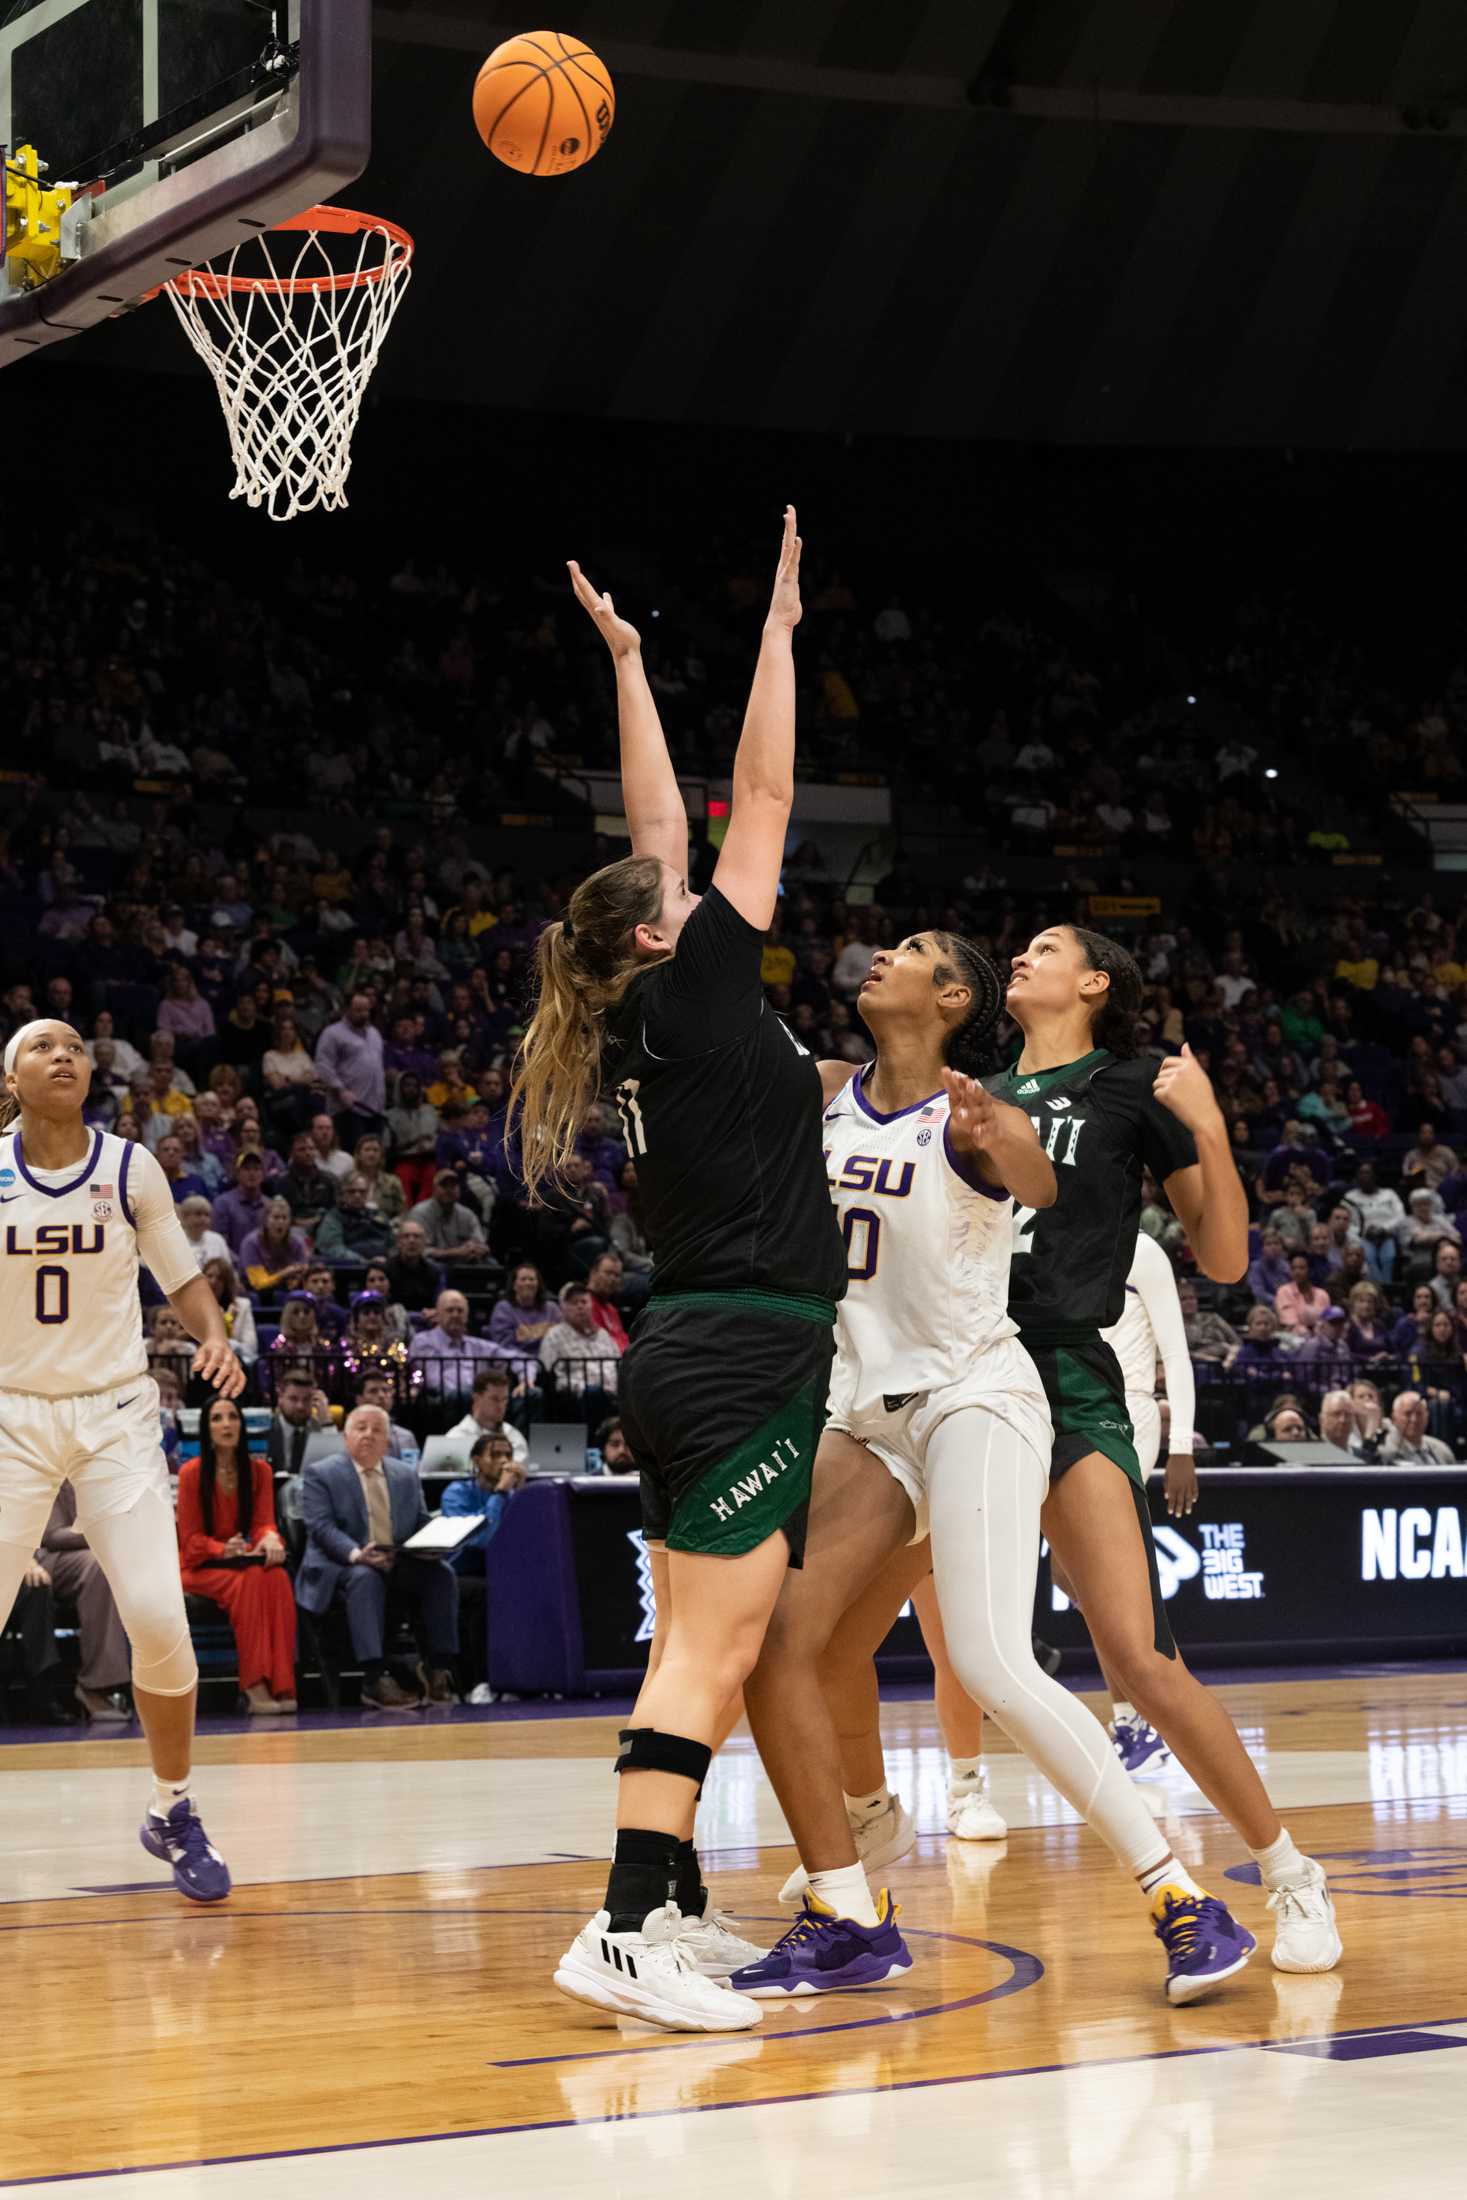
[926, 1115]
[104, 1191]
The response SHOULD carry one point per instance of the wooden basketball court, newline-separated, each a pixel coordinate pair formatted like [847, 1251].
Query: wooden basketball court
[371, 2011]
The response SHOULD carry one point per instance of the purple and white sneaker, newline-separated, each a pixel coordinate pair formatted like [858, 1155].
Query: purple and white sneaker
[179, 1840]
[1139, 1746]
[1204, 1942]
[825, 1954]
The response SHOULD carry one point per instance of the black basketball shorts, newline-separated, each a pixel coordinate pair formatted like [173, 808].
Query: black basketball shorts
[723, 1400]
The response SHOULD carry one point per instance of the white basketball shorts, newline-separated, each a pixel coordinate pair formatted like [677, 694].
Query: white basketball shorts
[107, 1443]
[1004, 1382]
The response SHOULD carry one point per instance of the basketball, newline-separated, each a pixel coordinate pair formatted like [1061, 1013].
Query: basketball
[544, 103]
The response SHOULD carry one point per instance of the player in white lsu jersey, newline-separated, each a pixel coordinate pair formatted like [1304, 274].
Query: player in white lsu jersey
[77, 1209]
[1150, 1329]
[938, 1424]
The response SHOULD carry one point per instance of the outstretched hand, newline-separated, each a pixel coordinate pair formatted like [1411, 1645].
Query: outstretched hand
[619, 635]
[784, 606]
[972, 1113]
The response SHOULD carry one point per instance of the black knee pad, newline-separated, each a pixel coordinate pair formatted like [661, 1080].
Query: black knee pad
[643, 1749]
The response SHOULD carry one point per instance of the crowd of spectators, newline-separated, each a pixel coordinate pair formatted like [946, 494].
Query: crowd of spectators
[333, 1122]
[314, 1034]
[438, 697]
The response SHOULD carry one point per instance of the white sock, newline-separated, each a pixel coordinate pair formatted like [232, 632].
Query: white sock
[1120, 1710]
[869, 1806]
[1167, 1872]
[847, 1893]
[166, 1793]
[964, 1771]
[1281, 1864]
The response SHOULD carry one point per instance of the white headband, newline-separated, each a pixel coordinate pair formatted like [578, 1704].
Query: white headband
[38, 1023]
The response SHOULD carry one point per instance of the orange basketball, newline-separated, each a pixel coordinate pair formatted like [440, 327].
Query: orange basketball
[544, 103]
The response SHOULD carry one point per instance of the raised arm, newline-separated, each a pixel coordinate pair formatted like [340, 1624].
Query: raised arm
[764, 767]
[653, 799]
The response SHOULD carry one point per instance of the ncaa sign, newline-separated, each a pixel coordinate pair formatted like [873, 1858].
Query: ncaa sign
[1411, 1543]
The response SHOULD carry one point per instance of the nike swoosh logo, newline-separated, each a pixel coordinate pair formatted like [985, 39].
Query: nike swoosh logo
[122, 1403]
[10, 1199]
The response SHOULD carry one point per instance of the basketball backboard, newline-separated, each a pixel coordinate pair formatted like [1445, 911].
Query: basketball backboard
[181, 126]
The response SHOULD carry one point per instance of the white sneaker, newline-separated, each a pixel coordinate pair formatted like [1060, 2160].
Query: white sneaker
[650, 1975]
[716, 1949]
[881, 1840]
[971, 1816]
[1306, 1937]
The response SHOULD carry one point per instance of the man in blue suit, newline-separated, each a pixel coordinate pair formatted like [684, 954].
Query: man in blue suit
[357, 1509]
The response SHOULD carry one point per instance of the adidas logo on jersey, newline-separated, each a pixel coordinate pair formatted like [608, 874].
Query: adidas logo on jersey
[1025, 1089]
[1056, 1105]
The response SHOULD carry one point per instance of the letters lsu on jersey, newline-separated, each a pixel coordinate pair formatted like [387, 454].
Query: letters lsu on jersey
[928, 1245]
[70, 1241]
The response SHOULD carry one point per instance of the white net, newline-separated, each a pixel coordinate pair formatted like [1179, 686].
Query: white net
[291, 339]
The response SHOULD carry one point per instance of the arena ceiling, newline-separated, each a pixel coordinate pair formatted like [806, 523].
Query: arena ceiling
[1228, 222]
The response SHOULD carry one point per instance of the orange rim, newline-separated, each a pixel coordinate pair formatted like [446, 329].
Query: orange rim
[343, 221]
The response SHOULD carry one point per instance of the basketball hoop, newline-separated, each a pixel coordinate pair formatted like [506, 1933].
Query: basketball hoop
[292, 344]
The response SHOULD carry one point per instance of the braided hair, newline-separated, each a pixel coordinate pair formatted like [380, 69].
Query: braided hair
[967, 1047]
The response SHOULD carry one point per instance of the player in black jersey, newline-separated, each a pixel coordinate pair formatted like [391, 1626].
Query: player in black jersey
[1103, 1115]
[649, 990]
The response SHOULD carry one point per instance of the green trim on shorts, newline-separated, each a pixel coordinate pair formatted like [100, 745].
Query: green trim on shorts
[739, 1503]
[794, 1308]
[1085, 1406]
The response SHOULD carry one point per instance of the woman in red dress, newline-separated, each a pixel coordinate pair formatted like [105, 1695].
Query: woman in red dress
[257, 1596]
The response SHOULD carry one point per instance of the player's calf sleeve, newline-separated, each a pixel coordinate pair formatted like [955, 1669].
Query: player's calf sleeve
[984, 1490]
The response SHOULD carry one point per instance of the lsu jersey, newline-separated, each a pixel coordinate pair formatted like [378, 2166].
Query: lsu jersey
[927, 1243]
[70, 1241]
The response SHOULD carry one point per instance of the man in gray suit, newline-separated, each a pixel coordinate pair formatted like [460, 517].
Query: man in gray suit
[106, 1662]
[357, 1509]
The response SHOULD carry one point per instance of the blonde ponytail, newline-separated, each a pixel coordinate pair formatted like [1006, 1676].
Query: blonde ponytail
[9, 1110]
[583, 966]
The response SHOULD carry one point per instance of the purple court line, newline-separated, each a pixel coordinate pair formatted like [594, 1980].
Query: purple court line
[709, 2108]
[227, 1913]
[1402, 1804]
[1027, 1970]
[1358, 2050]
[326, 1879]
[153, 1886]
